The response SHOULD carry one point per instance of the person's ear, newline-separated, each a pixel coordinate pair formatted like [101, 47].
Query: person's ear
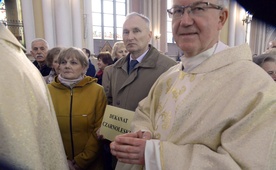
[223, 15]
[150, 34]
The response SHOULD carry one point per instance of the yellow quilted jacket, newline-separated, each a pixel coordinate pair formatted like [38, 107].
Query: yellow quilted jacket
[79, 113]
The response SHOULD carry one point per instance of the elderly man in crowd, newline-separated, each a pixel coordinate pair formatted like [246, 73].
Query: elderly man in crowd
[129, 80]
[214, 110]
[39, 52]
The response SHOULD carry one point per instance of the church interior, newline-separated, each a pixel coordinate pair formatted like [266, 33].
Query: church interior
[97, 24]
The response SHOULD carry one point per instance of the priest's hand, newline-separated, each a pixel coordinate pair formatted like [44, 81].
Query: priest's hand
[129, 148]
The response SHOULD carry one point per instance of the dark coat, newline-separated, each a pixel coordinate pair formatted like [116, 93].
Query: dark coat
[91, 71]
[44, 70]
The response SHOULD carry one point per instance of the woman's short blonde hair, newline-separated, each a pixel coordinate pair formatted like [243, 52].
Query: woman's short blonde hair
[76, 53]
[116, 47]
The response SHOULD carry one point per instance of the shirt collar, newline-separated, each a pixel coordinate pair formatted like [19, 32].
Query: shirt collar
[140, 58]
[192, 62]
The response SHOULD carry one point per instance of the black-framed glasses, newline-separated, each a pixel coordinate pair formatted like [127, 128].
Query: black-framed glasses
[194, 9]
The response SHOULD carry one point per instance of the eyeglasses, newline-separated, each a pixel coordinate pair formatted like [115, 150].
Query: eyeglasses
[194, 9]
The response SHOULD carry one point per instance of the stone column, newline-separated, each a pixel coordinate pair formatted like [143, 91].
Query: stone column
[77, 20]
[63, 22]
[48, 23]
[29, 26]
[88, 26]
[232, 23]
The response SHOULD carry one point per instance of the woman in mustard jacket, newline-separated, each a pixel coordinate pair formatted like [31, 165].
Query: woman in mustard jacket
[79, 103]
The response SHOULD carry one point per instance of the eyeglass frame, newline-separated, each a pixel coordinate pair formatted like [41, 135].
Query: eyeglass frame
[208, 5]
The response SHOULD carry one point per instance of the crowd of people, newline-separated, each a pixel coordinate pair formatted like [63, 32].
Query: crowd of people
[214, 109]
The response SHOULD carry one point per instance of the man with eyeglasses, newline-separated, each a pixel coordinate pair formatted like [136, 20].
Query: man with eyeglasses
[214, 110]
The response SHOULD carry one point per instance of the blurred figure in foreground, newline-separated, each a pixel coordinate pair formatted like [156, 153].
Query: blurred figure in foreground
[29, 133]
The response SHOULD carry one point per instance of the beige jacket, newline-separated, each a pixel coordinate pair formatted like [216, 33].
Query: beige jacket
[126, 90]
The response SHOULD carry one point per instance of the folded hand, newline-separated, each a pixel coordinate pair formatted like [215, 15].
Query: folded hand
[129, 148]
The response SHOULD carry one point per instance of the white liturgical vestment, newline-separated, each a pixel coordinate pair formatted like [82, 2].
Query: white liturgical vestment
[29, 134]
[221, 115]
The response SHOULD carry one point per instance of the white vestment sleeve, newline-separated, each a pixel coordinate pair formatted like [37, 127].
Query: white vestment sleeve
[152, 155]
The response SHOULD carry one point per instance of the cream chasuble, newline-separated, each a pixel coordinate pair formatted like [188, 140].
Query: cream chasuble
[29, 133]
[220, 115]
